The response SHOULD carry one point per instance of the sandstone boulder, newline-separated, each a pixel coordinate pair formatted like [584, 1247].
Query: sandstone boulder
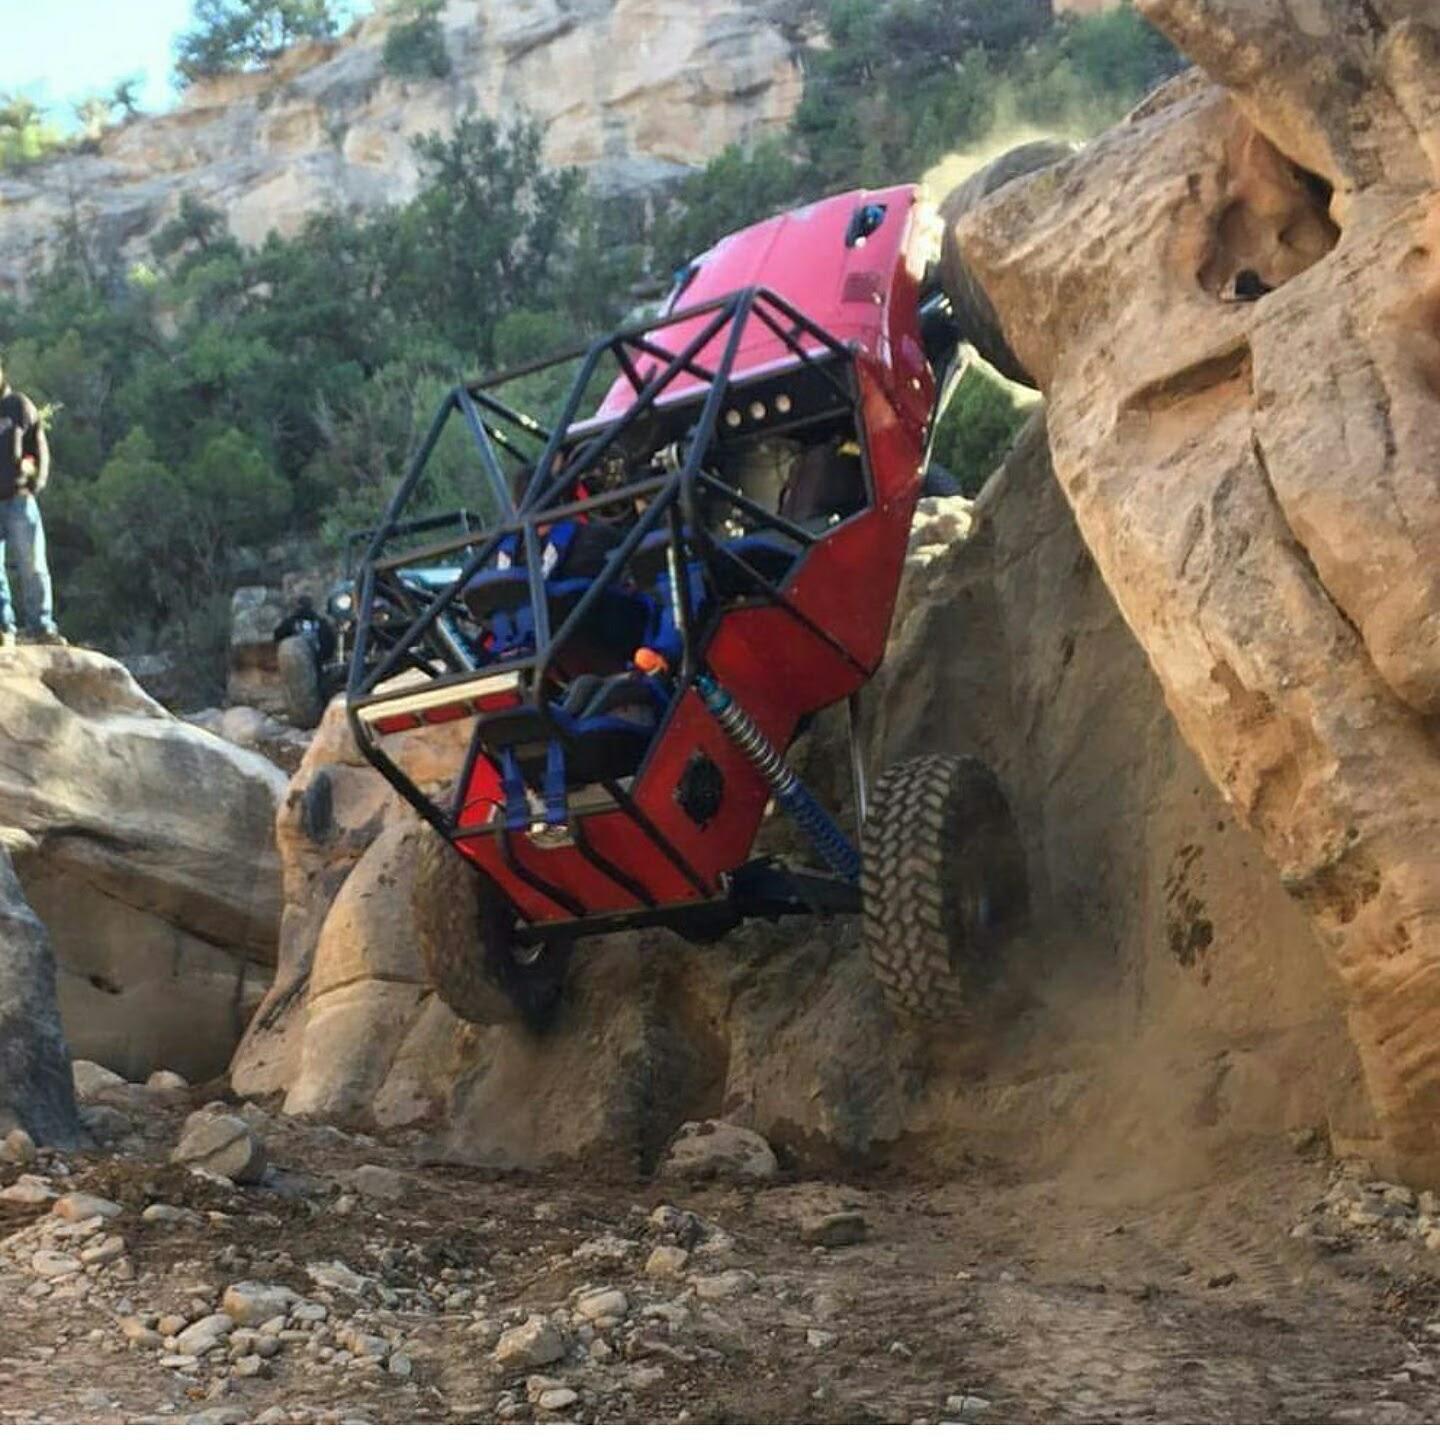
[93, 1081]
[348, 990]
[713, 1150]
[37, 1097]
[221, 1144]
[281, 744]
[1242, 366]
[148, 852]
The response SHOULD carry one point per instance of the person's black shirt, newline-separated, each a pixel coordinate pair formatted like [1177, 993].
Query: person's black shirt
[21, 436]
[315, 627]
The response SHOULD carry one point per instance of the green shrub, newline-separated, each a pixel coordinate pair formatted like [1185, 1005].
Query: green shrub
[901, 86]
[25, 135]
[415, 47]
[979, 427]
[231, 35]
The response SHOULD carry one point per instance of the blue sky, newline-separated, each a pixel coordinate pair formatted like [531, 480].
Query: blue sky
[62, 50]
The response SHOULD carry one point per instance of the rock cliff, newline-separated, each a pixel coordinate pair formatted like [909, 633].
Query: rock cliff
[1242, 364]
[635, 91]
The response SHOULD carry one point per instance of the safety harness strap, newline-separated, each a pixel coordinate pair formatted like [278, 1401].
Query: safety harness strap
[517, 804]
[557, 804]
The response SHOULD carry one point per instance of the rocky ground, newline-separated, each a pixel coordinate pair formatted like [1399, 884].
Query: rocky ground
[355, 1281]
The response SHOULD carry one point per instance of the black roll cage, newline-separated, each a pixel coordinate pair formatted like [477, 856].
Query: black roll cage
[674, 498]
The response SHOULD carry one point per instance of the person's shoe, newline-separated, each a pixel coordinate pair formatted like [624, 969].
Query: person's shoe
[50, 637]
[7, 640]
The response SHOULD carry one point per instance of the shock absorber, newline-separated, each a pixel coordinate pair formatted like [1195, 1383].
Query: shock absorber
[809, 814]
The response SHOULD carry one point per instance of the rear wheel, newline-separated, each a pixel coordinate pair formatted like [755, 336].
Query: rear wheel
[465, 927]
[300, 680]
[943, 877]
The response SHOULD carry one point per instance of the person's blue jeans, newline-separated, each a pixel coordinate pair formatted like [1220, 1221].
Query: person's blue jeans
[22, 535]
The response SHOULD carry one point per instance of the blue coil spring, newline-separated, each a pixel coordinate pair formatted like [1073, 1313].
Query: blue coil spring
[809, 814]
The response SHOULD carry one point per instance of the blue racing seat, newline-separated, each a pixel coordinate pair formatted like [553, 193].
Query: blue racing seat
[599, 731]
[499, 597]
[769, 553]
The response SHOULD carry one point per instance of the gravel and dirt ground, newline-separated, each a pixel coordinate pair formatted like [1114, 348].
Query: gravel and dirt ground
[371, 1286]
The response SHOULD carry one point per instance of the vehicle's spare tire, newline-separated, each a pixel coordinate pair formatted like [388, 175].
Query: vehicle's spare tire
[943, 882]
[974, 313]
[300, 682]
[465, 929]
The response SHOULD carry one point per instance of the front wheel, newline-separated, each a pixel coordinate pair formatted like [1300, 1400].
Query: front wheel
[943, 878]
[300, 681]
[465, 928]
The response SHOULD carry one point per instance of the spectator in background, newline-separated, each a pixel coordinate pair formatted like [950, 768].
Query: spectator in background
[24, 471]
[305, 620]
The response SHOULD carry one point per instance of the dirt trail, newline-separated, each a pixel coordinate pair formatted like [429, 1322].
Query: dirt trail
[994, 1297]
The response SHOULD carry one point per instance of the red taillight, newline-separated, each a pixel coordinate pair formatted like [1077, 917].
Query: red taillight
[460, 700]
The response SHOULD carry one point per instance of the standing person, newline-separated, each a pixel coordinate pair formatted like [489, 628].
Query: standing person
[306, 621]
[24, 471]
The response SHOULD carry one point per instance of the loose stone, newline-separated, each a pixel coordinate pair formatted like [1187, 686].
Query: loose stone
[251, 1302]
[667, 1262]
[141, 1335]
[725, 1286]
[27, 1190]
[80, 1206]
[53, 1263]
[106, 1250]
[204, 1335]
[601, 1302]
[535, 1343]
[845, 1227]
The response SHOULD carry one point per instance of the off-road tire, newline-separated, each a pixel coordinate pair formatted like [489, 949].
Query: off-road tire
[465, 930]
[300, 680]
[943, 880]
[974, 312]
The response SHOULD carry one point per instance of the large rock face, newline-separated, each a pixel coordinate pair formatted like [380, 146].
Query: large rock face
[636, 91]
[36, 1092]
[1168, 1003]
[147, 848]
[347, 988]
[1257, 481]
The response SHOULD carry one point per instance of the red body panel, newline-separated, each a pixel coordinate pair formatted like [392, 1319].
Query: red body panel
[866, 295]
[776, 667]
[779, 671]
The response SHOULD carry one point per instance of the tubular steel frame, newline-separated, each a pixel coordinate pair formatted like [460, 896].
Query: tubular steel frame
[674, 499]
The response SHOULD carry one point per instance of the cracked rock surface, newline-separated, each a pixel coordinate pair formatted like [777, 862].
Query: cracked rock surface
[1256, 478]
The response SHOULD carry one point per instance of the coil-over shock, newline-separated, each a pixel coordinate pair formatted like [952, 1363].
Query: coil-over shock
[829, 841]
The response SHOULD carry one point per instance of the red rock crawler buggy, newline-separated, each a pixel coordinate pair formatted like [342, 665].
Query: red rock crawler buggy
[673, 587]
